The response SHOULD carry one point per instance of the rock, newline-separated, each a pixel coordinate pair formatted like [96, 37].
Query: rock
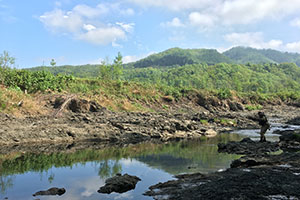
[246, 184]
[283, 159]
[233, 106]
[248, 147]
[294, 121]
[119, 183]
[51, 191]
[290, 141]
[210, 133]
[79, 105]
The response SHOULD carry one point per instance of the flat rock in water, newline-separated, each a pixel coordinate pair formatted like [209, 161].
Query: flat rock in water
[285, 159]
[248, 147]
[51, 191]
[246, 184]
[290, 141]
[119, 183]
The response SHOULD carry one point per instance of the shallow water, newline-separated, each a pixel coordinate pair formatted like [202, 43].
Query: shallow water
[83, 172]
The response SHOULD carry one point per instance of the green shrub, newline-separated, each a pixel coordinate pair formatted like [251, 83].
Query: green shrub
[253, 107]
[224, 93]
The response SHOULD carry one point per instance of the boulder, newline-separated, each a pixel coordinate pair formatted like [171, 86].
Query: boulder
[290, 141]
[51, 191]
[285, 159]
[119, 183]
[294, 121]
[79, 105]
[248, 147]
[247, 184]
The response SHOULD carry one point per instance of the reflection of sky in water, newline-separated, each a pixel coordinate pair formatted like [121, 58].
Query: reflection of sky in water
[83, 181]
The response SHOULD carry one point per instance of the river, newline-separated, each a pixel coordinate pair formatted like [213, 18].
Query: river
[83, 172]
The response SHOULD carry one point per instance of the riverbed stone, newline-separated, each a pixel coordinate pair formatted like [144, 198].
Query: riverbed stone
[248, 147]
[119, 183]
[51, 191]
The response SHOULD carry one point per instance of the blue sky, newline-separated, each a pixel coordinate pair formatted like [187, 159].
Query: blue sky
[88, 31]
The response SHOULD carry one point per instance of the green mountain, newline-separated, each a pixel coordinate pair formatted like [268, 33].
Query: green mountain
[243, 55]
[180, 57]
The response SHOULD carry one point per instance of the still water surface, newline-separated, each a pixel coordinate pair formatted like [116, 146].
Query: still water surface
[83, 172]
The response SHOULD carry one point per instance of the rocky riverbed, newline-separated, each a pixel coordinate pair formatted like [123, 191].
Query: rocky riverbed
[80, 120]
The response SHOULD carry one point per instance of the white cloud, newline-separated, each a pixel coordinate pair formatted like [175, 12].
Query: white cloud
[202, 20]
[256, 40]
[226, 12]
[129, 59]
[176, 22]
[275, 44]
[62, 21]
[88, 27]
[176, 5]
[89, 12]
[252, 39]
[103, 36]
[295, 22]
[245, 39]
[126, 27]
[128, 11]
[82, 23]
[293, 46]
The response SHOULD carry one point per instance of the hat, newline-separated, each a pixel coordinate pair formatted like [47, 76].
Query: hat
[261, 113]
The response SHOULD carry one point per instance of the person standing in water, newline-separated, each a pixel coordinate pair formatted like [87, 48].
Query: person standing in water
[263, 122]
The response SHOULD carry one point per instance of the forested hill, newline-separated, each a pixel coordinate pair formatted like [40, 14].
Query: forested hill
[180, 57]
[243, 55]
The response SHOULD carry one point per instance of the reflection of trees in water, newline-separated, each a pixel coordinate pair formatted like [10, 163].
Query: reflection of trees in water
[109, 168]
[191, 156]
[6, 182]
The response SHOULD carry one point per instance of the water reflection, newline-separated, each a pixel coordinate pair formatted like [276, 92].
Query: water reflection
[82, 172]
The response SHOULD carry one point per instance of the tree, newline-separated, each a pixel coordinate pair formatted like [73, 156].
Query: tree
[52, 62]
[117, 67]
[112, 71]
[104, 72]
[6, 61]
